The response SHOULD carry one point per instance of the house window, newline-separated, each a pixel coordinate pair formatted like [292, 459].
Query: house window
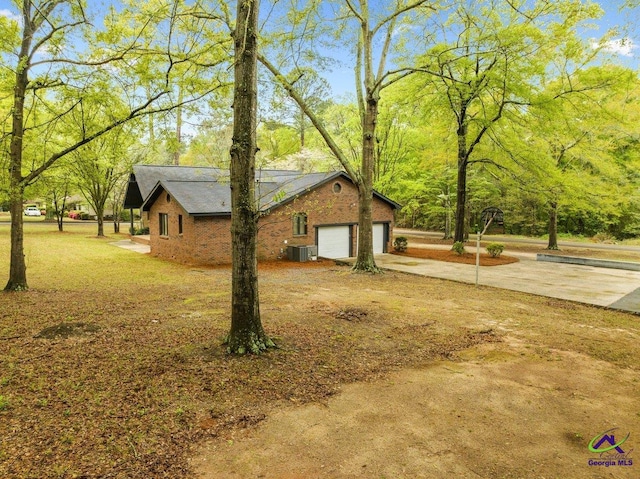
[179, 224]
[299, 224]
[337, 188]
[164, 224]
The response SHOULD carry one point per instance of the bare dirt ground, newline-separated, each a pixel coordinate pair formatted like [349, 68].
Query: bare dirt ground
[526, 407]
[518, 417]
[116, 370]
[503, 412]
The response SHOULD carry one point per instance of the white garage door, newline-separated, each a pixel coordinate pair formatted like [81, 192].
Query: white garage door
[333, 241]
[378, 239]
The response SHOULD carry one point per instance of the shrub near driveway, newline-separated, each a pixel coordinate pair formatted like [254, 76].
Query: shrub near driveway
[495, 249]
[458, 247]
[132, 396]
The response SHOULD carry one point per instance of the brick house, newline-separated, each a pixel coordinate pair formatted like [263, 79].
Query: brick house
[189, 213]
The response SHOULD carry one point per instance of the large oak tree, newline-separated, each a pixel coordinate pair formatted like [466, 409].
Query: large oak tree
[369, 31]
[246, 334]
[494, 58]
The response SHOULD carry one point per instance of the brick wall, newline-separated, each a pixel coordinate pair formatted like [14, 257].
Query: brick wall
[175, 246]
[323, 207]
[207, 240]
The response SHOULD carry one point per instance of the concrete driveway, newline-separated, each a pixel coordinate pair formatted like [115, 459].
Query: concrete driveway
[613, 288]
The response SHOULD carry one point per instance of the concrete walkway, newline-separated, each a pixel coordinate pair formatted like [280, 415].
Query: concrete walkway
[612, 288]
[133, 246]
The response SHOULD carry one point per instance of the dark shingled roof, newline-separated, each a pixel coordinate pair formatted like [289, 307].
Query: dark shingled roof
[203, 191]
[147, 177]
[196, 197]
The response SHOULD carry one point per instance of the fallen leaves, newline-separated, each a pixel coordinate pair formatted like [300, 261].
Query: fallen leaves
[126, 389]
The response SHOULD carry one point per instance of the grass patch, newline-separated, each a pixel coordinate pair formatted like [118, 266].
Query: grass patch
[132, 396]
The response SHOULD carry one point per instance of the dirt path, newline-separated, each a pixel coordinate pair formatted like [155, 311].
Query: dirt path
[504, 411]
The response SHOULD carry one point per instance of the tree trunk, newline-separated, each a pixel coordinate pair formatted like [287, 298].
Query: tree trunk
[18, 268]
[447, 219]
[365, 261]
[246, 334]
[553, 226]
[59, 208]
[100, 215]
[59, 216]
[461, 194]
[461, 202]
[176, 154]
[467, 219]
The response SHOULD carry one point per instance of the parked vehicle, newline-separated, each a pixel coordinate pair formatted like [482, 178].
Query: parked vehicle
[79, 215]
[32, 211]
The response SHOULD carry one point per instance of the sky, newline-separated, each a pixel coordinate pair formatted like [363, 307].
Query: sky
[624, 47]
[628, 23]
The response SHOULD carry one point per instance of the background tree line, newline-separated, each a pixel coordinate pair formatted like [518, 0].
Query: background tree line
[494, 71]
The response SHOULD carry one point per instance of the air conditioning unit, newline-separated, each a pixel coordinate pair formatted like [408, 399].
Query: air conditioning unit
[297, 253]
[312, 252]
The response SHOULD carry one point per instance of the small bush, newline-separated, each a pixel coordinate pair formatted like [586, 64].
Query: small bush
[142, 231]
[125, 215]
[495, 249]
[458, 247]
[400, 244]
[604, 237]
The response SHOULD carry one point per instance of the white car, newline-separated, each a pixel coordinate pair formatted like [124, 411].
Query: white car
[32, 211]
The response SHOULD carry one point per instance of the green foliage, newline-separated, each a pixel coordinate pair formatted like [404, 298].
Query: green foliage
[495, 249]
[125, 215]
[458, 247]
[400, 244]
[604, 237]
[277, 141]
[581, 152]
[279, 196]
[459, 87]
[4, 402]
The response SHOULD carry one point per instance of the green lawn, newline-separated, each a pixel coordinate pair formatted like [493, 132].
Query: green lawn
[77, 259]
[6, 216]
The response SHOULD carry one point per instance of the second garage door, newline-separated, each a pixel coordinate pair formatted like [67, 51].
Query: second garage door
[378, 238]
[334, 241]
